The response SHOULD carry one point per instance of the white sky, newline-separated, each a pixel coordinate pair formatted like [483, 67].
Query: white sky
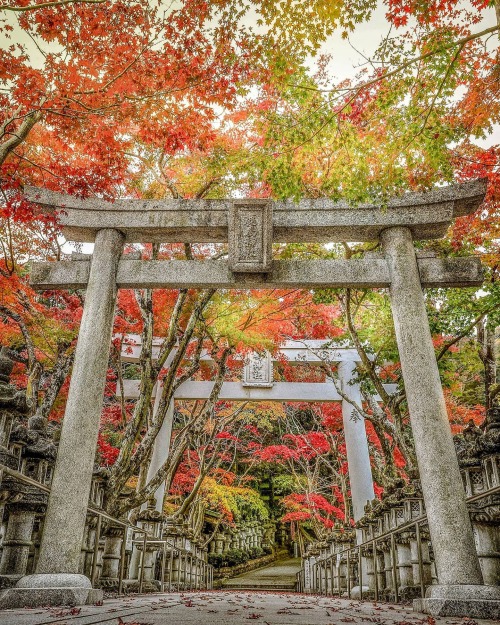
[347, 58]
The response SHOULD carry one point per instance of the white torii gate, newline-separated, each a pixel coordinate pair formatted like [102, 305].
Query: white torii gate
[258, 385]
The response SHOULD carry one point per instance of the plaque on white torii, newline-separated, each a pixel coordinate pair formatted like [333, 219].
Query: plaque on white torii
[258, 370]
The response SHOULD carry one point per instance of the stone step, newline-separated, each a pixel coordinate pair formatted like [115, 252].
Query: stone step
[255, 586]
[278, 576]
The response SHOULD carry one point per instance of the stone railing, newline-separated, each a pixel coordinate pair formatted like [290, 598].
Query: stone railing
[393, 559]
[108, 550]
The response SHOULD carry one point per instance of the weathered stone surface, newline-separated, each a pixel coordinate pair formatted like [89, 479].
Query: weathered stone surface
[17, 541]
[449, 272]
[34, 591]
[428, 215]
[449, 524]
[178, 274]
[55, 580]
[250, 233]
[60, 549]
[458, 607]
[461, 600]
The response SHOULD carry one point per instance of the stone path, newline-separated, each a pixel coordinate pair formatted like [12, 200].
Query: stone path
[228, 608]
[279, 575]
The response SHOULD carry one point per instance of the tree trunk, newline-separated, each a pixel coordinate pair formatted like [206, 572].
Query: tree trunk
[20, 135]
[486, 338]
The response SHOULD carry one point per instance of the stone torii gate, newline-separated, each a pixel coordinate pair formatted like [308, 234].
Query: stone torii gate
[258, 385]
[251, 226]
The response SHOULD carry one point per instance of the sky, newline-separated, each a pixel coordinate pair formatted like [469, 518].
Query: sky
[347, 56]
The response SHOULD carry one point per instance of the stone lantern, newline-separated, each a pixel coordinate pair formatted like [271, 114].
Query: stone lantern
[13, 406]
[478, 453]
[150, 520]
[268, 540]
[37, 458]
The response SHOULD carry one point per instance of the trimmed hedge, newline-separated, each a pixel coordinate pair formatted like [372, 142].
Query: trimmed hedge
[233, 557]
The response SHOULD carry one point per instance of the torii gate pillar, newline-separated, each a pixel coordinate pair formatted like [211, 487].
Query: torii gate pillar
[56, 580]
[460, 590]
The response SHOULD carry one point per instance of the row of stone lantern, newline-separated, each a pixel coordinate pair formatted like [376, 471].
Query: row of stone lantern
[28, 448]
[396, 559]
[245, 536]
[185, 564]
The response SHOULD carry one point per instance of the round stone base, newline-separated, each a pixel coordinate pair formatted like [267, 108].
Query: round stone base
[355, 593]
[61, 589]
[475, 601]
[54, 580]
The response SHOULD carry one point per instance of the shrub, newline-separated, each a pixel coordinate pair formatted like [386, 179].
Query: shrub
[255, 552]
[216, 560]
[234, 557]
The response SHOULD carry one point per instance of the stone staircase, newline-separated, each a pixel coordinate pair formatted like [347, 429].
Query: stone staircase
[280, 575]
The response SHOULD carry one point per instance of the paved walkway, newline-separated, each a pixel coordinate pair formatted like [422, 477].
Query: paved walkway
[278, 575]
[228, 608]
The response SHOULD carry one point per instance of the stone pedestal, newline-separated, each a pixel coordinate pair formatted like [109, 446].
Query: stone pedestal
[368, 568]
[17, 542]
[63, 589]
[110, 572]
[405, 568]
[388, 585]
[135, 558]
[488, 548]
[426, 563]
[473, 601]
[342, 576]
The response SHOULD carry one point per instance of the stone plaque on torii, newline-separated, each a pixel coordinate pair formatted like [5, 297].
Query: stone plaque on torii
[250, 233]
[414, 216]
[258, 370]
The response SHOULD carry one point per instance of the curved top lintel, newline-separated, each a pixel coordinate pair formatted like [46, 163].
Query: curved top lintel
[428, 214]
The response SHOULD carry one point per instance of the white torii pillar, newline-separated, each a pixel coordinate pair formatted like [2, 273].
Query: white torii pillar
[161, 450]
[161, 447]
[356, 441]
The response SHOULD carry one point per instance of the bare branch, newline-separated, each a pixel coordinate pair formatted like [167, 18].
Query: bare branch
[460, 42]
